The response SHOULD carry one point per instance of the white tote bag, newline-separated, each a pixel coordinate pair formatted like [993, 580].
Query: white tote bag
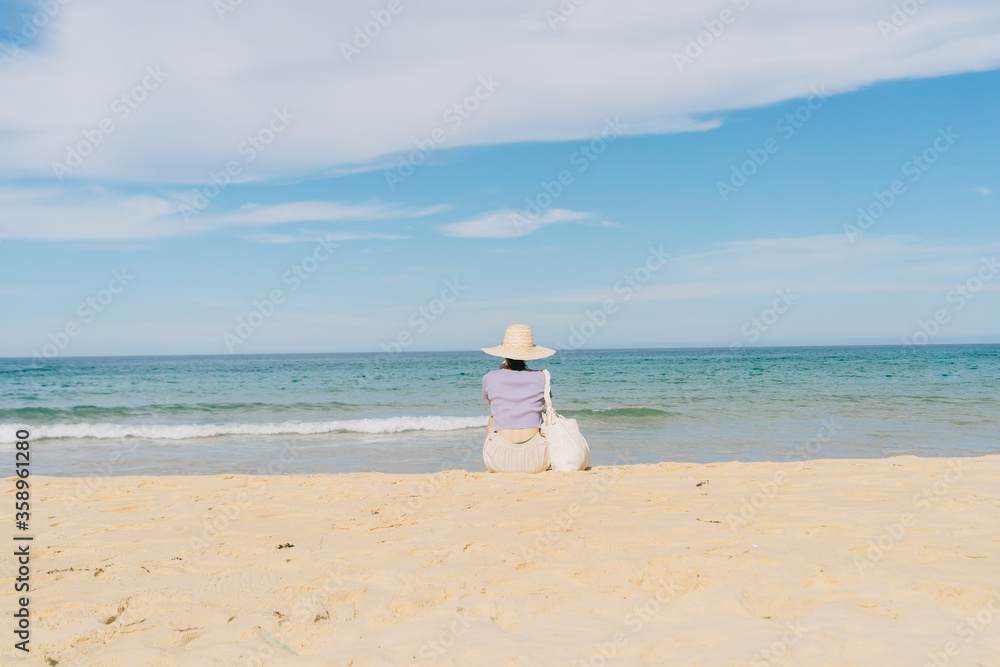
[568, 449]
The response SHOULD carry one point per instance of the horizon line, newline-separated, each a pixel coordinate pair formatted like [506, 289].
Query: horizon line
[745, 348]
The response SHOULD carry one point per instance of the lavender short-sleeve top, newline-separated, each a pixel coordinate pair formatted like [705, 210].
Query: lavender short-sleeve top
[516, 398]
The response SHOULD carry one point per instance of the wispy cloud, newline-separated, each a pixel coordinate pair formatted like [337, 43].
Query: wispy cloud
[982, 191]
[508, 223]
[90, 213]
[826, 264]
[313, 211]
[97, 213]
[312, 237]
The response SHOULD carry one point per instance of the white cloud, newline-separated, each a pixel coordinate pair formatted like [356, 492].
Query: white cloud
[299, 211]
[97, 213]
[508, 223]
[224, 77]
[828, 264]
[86, 213]
[807, 265]
[312, 237]
[982, 191]
[312, 211]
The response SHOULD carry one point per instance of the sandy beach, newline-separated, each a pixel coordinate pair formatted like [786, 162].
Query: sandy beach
[825, 562]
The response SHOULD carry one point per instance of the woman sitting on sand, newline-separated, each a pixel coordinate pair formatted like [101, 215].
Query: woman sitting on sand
[514, 442]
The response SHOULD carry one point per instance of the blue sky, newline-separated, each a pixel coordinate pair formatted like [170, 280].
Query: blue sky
[437, 261]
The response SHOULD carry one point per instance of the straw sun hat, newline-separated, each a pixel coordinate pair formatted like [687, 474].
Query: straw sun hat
[518, 343]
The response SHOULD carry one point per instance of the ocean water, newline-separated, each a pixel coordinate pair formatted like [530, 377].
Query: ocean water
[423, 412]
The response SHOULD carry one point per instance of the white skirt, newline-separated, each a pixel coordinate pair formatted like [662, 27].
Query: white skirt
[502, 455]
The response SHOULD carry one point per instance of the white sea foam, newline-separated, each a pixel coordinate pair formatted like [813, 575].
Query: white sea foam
[187, 431]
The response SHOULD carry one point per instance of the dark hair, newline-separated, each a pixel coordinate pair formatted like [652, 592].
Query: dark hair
[514, 364]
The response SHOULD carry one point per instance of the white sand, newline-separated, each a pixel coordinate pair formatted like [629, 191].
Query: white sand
[834, 562]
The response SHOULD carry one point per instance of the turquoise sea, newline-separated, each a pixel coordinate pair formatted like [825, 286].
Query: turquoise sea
[422, 412]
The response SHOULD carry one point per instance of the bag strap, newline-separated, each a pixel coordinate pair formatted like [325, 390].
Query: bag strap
[548, 390]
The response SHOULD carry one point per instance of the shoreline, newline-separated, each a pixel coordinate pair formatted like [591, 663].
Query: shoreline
[820, 561]
[105, 468]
